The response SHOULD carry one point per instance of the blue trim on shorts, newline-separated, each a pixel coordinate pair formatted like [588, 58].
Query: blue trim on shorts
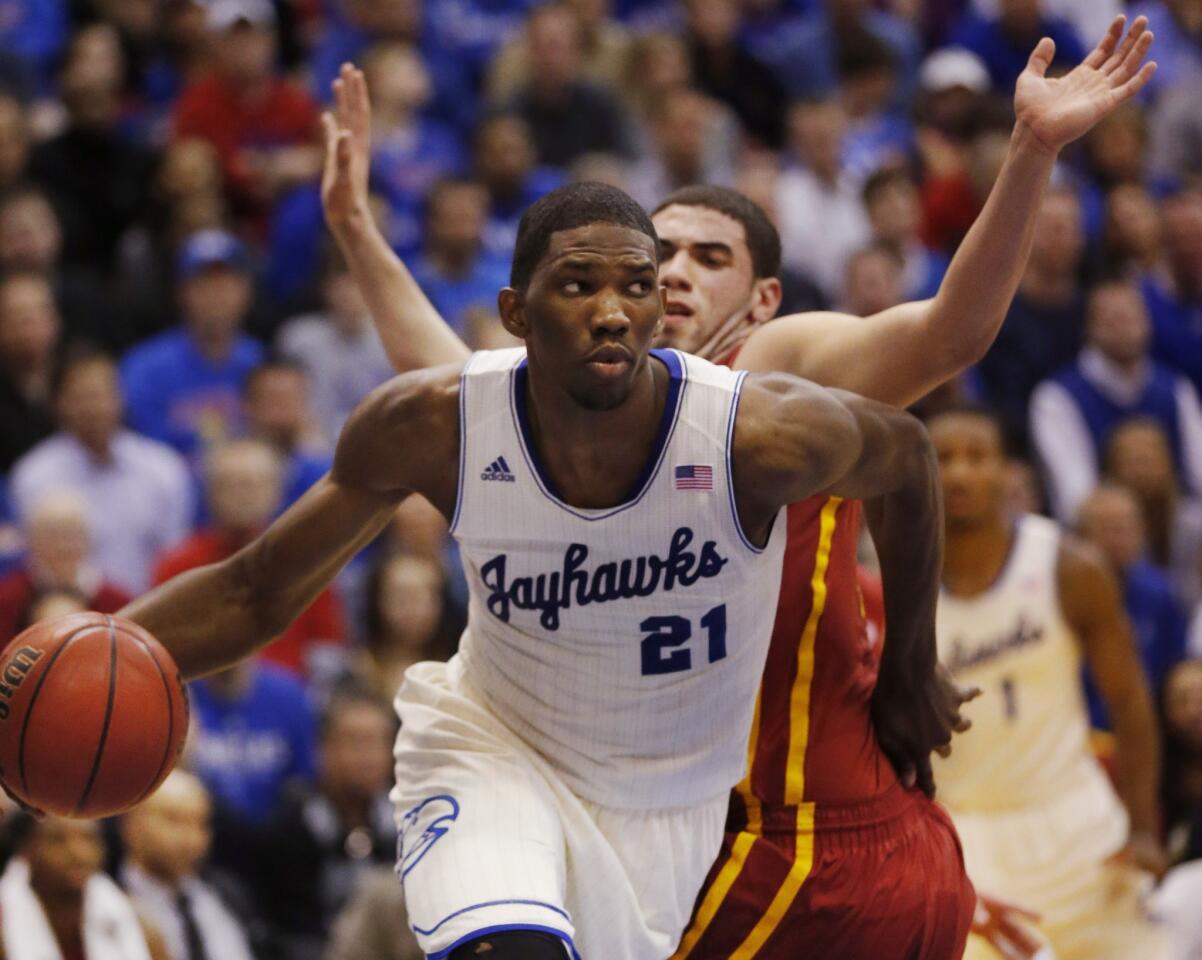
[504, 928]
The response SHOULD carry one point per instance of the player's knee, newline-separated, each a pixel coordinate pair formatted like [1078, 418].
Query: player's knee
[513, 945]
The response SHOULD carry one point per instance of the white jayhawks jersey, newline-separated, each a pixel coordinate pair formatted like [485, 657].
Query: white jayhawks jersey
[1030, 727]
[624, 644]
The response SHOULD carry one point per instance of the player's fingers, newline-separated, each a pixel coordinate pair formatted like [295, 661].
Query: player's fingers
[1041, 57]
[343, 150]
[1002, 907]
[1134, 35]
[1106, 45]
[1136, 83]
[1131, 64]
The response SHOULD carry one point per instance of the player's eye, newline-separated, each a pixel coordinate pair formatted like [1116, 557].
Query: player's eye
[572, 288]
[640, 288]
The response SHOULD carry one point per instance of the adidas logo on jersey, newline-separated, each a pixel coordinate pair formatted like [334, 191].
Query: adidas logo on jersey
[498, 470]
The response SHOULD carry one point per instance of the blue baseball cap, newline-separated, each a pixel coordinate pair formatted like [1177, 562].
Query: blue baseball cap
[211, 248]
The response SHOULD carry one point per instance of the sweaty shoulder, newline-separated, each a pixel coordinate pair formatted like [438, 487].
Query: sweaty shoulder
[405, 437]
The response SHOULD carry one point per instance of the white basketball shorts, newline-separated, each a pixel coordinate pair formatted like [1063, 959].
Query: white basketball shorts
[491, 840]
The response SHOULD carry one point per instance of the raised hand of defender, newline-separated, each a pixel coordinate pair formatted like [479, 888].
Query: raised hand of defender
[347, 129]
[915, 716]
[1003, 925]
[1059, 110]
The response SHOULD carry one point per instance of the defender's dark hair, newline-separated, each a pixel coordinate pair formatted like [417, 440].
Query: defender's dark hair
[763, 241]
[568, 207]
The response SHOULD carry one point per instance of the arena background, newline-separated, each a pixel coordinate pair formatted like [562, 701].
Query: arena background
[180, 341]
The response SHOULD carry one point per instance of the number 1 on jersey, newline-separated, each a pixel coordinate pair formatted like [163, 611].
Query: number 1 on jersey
[664, 650]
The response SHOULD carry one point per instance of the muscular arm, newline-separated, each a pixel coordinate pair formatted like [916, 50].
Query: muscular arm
[403, 438]
[1090, 597]
[901, 354]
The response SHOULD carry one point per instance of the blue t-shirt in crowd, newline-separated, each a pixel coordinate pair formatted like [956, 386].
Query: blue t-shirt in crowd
[34, 31]
[501, 231]
[1159, 631]
[404, 168]
[1005, 56]
[175, 394]
[456, 298]
[1176, 331]
[247, 749]
[300, 473]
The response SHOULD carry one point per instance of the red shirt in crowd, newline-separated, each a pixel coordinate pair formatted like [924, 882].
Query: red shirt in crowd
[17, 589]
[322, 622]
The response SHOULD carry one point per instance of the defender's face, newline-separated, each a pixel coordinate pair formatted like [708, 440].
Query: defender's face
[590, 312]
[971, 468]
[706, 272]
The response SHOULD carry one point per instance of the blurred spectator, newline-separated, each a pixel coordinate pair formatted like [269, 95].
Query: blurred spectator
[338, 347]
[244, 489]
[1089, 19]
[277, 412]
[728, 73]
[874, 281]
[952, 85]
[56, 901]
[604, 47]
[263, 126]
[31, 239]
[685, 128]
[805, 52]
[409, 618]
[506, 162]
[98, 178]
[820, 192]
[1175, 128]
[1181, 722]
[183, 387]
[1176, 304]
[1140, 457]
[1132, 243]
[33, 32]
[895, 215]
[1021, 489]
[253, 732]
[410, 152]
[1074, 412]
[58, 541]
[1178, 27]
[29, 338]
[454, 270]
[325, 837]
[1005, 42]
[138, 491]
[568, 117]
[879, 134]
[167, 839]
[52, 603]
[374, 925]
[1042, 330]
[14, 141]
[1110, 519]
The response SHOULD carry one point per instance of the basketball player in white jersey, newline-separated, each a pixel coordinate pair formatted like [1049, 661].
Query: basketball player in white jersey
[563, 781]
[1022, 606]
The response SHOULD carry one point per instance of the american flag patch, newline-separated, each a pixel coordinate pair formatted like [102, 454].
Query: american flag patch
[695, 476]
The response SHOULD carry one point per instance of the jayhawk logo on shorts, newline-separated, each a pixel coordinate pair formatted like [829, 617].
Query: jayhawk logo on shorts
[421, 828]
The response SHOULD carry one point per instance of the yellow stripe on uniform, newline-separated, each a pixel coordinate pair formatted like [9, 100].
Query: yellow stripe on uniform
[716, 894]
[799, 736]
[755, 818]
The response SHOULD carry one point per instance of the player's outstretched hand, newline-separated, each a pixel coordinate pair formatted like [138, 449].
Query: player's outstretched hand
[1004, 926]
[914, 716]
[347, 128]
[1143, 852]
[1058, 110]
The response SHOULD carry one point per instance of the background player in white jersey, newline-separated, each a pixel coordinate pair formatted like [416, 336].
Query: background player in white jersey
[1022, 606]
[510, 825]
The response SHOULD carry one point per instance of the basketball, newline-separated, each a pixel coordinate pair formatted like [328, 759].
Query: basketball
[93, 715]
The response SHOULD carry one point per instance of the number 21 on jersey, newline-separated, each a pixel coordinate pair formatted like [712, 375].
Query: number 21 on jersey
[664, 647]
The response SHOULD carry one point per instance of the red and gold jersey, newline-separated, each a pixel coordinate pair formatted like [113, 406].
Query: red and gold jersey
[813, 741]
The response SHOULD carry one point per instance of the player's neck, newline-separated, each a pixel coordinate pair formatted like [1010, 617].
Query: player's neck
[974, 557]
[594, 456]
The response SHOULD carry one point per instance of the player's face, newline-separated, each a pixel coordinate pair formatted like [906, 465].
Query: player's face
[706, 272]
[590, 312]
[971, 468]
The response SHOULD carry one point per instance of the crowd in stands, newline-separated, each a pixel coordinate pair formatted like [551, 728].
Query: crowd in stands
[180, 343]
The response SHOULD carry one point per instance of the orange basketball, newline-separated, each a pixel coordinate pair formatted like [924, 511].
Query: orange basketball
[93, 715]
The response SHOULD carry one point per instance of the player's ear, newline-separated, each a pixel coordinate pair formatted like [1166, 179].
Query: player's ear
[766, 298]
[511, 304]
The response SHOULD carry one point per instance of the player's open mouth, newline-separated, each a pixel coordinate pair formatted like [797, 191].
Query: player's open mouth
[609, 361]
